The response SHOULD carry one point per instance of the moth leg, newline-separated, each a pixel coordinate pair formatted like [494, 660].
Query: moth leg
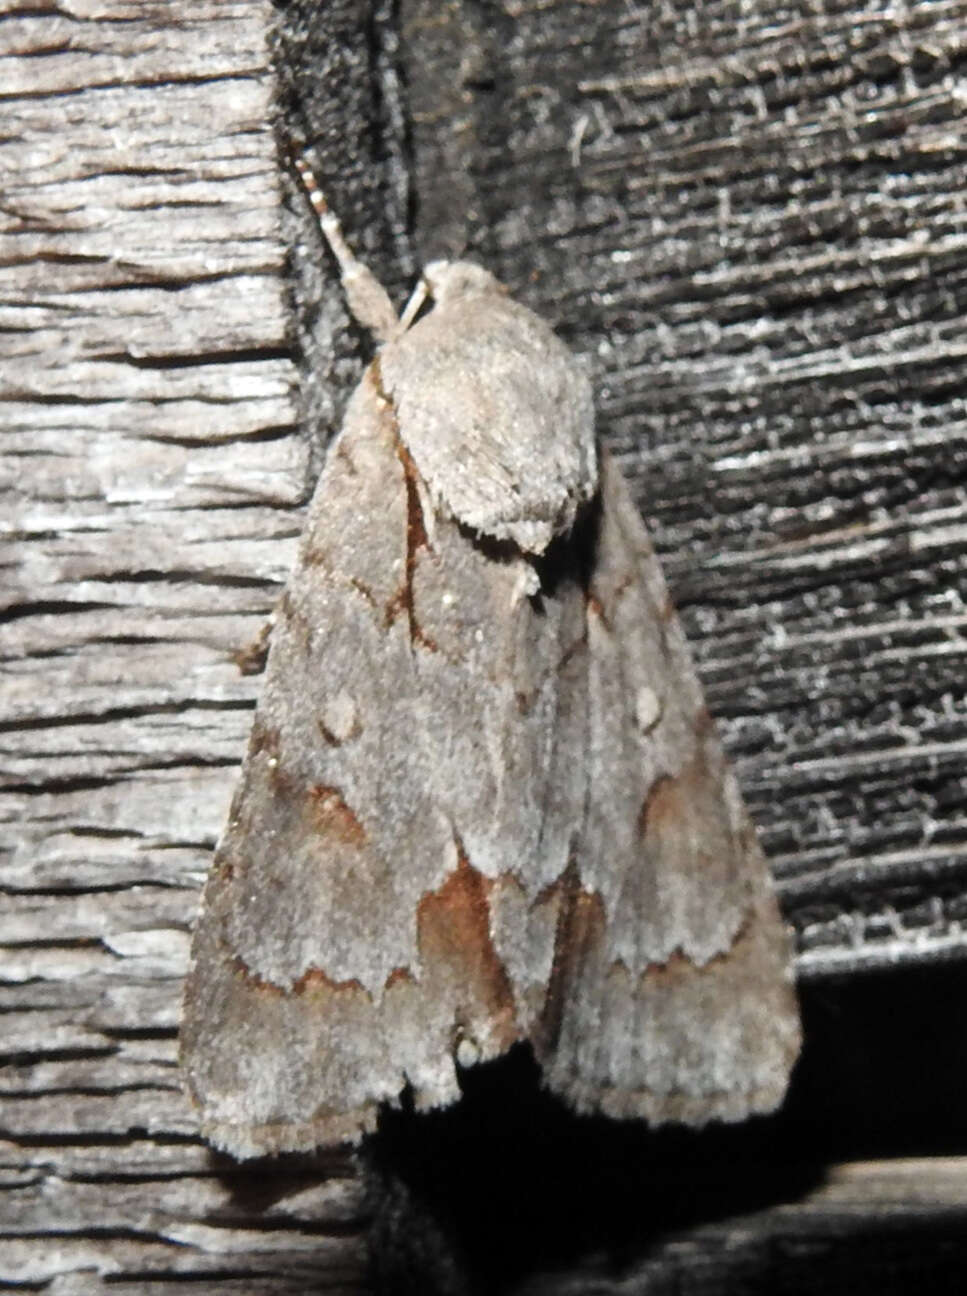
[251, 657]
[367, 298]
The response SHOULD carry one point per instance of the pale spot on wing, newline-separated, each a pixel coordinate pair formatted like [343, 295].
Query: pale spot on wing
[339, 720]
[468, 1052]
[648, 709]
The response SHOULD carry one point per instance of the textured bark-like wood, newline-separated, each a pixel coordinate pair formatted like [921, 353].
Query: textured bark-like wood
[831, 1240]
[751, 225]
[154, 474]
[750, 222]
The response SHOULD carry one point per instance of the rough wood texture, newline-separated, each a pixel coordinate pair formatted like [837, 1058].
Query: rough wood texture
[751, 222]
[154, 477]
[811, 1246]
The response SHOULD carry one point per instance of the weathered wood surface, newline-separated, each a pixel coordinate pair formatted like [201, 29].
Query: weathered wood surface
[154, 478]
[750, 219]
[815, 1245]
[751, 222]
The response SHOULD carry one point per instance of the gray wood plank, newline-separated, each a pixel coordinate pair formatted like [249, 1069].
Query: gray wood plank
[749, 222]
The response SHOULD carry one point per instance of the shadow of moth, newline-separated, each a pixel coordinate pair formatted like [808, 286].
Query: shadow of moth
[483, 800]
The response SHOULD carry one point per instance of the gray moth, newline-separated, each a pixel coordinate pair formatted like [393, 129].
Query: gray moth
[483, 799]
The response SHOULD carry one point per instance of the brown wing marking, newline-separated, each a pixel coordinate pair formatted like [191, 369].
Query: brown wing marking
[331, 814]
[580, 930]
[417, 537]
[459, 961]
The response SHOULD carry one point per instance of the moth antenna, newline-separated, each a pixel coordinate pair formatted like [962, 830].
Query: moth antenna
[368, 300]
[412, 308]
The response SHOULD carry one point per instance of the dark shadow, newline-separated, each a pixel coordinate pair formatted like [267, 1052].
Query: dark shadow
[884, 1067]
[261, 1184]
[519, 1184]
[509, 1183]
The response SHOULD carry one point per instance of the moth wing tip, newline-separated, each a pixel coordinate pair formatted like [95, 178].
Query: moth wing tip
[694, 1110]
[243, 1142]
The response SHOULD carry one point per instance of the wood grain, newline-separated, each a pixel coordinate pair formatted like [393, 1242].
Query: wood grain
[751, 223]
[153, 475]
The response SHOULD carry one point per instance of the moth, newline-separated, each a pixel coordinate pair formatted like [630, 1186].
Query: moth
[483, 799]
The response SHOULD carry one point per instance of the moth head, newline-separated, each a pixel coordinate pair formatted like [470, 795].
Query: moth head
[446, 280]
